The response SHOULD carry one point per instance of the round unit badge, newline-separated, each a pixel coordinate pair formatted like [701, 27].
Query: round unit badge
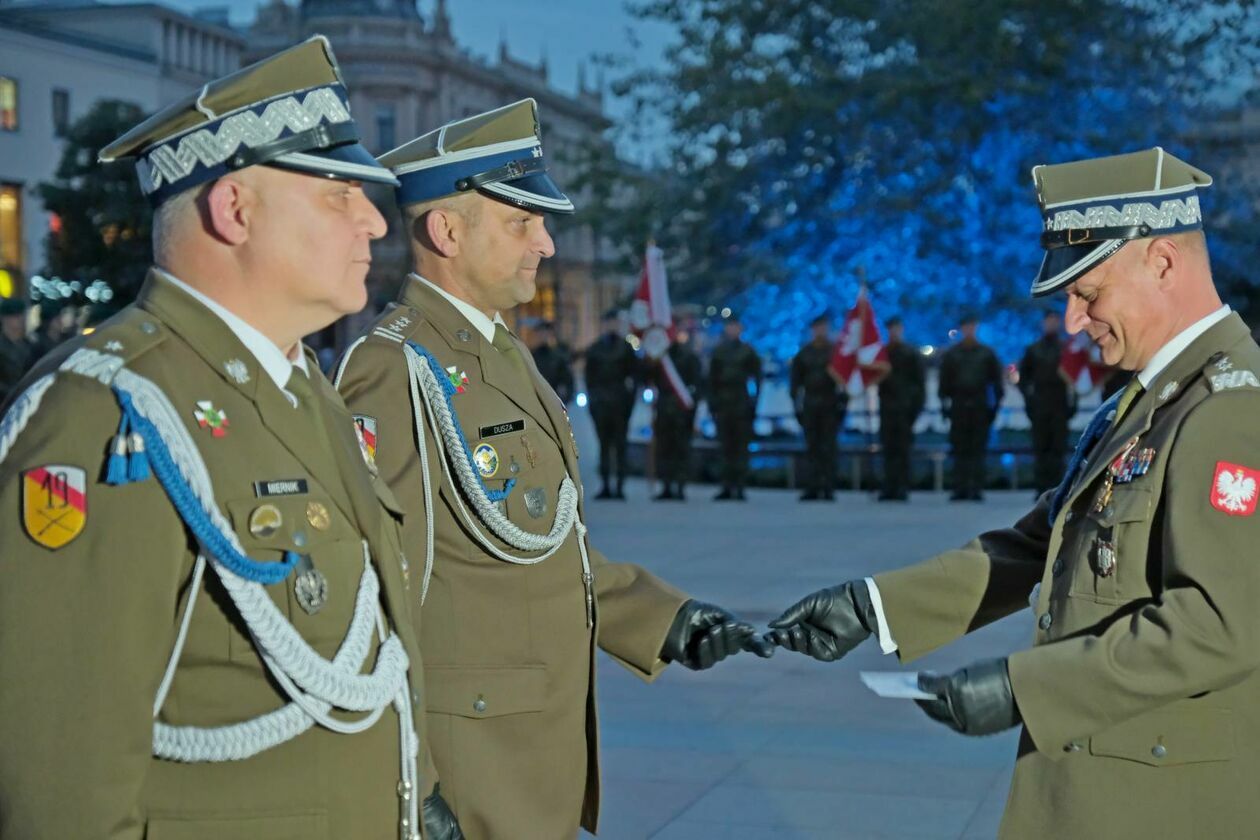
[486, 459]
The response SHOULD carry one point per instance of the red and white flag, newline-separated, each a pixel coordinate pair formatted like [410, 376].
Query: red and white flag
[651, 318]
[1080, 364]
[860, 355]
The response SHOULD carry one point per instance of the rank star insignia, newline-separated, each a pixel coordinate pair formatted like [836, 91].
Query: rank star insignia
[1233, 489]
[114, 346]
[458, 378]
[209, 417]
[236, 371]
[1224, 364]
[54, 504]
[1168, 391]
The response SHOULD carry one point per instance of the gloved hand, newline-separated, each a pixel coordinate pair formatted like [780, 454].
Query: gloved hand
[702, 635]
[439, 820]
[976, 700]
[827, 624]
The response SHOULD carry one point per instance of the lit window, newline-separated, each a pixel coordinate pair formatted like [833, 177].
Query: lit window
[61, 111]
[385, 127]
[8, 104]
[10, 226]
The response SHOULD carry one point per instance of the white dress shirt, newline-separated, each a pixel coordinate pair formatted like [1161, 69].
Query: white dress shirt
[1162, 359]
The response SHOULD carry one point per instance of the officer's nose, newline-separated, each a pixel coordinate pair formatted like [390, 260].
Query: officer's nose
[369, 217]
[543, 243]
[1076, 315]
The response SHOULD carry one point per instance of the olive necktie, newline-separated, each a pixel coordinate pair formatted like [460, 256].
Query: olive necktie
[504, 344]
[1131, 392]
[299, 385]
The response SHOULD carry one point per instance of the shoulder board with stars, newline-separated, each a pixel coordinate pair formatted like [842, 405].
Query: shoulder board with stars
[396, 324]
[1223, 375]
[128, 335]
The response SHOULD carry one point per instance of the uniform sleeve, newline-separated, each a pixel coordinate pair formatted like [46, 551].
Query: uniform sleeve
[85, 629]
[945, 382]
[939, 600]
[372, 379]
[919, 384]
[1202, 632]
[636, 609]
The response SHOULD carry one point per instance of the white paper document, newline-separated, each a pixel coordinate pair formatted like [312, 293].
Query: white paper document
[901, 685]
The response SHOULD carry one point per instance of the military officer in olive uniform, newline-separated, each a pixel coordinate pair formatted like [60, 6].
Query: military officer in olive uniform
[674, 422]
[820, 405]
[734, 385]
[16, 351]
[612, 376]
[554, 362]
[206, 628]
[1049, 402]
[901, 397]
[1140, 698]
[970, 390]
[513, 599]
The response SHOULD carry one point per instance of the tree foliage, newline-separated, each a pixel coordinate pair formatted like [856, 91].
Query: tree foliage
[105, 222]
[813, 142]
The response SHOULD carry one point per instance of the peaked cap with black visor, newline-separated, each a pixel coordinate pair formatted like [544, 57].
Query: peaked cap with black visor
[1091, 208]
[499, 154]
[290, 110]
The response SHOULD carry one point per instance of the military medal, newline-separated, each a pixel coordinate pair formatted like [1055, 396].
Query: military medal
[209, 417]
[531, 454]
[1104, 558]
[1114, 471]
[458, 379]
[310, 587]
[317, 514]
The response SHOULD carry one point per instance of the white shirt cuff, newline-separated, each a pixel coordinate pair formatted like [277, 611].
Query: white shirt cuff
[886, 642]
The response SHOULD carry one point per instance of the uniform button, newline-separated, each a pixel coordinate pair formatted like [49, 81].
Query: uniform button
[479, 705]
[1069, 516]
[1159, 751]
[1057, 568]
[148, 328]
[1072, 747]
[1045, 621]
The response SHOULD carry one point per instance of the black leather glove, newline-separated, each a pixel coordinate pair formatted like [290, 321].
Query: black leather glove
[827, 624]
[702, 635]
[976, 700]
[439, 820]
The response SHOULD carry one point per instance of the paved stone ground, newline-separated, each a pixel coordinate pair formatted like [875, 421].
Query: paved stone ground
[790, 748]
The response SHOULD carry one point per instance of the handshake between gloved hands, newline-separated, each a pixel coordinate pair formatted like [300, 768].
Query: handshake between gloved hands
[826, 625]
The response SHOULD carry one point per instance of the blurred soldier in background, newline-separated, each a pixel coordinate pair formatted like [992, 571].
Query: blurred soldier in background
[820, 405]
[734, 383]
[672, 427]
[554, 362]
[56, 324]
[16, 352]
[1049, 402]
[901, 397]
[612, 374]
[970, 390]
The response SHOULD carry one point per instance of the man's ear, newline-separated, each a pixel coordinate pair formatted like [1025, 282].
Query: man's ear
[229, 206]
[441, 229]
[1163, 259]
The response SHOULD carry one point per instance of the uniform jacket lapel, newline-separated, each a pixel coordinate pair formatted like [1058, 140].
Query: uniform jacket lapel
[496, 370]
[206, 333]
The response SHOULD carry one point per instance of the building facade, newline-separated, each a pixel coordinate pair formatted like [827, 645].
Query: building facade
[406, 76]
[56, 61]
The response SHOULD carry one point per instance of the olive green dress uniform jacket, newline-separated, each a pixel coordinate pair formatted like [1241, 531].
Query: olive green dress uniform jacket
[86, 630]
[509, 659]
[1140, 697]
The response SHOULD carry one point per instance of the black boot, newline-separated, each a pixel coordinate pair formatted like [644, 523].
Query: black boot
[664, 495]
[725, 496]
[604, 493]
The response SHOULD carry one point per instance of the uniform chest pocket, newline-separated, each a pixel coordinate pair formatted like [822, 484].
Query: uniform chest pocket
[1111, 567]
[318, 596]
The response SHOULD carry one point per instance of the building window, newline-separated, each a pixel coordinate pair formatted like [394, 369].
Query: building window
[385, 134]
[10, 226]
[61, 111]
[8, 104]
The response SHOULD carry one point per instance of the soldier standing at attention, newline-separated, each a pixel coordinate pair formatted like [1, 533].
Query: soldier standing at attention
[554, 362]
[734, 385]
[1140, 698]
[514, 599]
[1049, 402]
[16, 351]
[820, 404]
[970, 390]
[901, 397]
[206, 621]
[612, 374]
[674, 423]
